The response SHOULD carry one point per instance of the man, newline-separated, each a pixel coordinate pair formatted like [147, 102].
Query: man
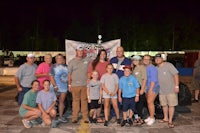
[77, 83]
[169, 87]
[118, 63]
[196, 79]
[24, 77]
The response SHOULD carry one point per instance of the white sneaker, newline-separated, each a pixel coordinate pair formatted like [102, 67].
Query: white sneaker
[26, 123]
[151, 121]
[147, 119]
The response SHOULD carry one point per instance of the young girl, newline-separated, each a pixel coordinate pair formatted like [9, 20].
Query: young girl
[94, 94]
[28, 109]
[46, 101]
[110, 87]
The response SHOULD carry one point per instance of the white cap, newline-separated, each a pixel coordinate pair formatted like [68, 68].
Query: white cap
[79, 47]
[30, 55]
[136, 57]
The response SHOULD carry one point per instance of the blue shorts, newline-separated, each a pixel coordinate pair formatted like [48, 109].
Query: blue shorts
[155, 90]
[22, 93]
[128, 103]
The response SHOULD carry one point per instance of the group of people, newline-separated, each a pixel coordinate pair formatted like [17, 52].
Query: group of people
[127, 83]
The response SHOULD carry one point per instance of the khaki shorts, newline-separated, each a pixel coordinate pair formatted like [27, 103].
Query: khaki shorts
[195, 84]
[169, 99]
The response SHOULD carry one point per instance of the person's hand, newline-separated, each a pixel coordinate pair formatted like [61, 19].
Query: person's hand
[99, 102]
[19, 89]
[137, 99]
[120, 99]
[70, 88]
[141, 92]
[47, 111]
[89, 100]
[55, 88]
[176, 90]
[112, 94]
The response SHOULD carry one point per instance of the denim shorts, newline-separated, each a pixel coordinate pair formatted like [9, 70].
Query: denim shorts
[128, 103]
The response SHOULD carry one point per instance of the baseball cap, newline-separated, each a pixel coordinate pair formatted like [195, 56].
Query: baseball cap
[127, 66]
[136, 57]
[79, 47]
[30, 55]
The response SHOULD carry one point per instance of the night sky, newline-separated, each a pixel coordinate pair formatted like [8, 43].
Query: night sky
[19, 19]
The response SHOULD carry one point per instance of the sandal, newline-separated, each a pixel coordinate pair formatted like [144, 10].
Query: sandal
[140, 122]
[171, 125]
[162, 121]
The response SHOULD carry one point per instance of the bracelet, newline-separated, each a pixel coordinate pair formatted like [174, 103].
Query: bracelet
[176, 87]
[137, 95]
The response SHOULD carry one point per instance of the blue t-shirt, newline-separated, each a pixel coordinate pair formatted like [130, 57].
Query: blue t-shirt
[152, 76]
[128, 86]
[118, 69]
[60, 73]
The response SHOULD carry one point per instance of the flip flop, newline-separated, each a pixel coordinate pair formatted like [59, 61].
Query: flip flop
[162, 121]
[171, 125]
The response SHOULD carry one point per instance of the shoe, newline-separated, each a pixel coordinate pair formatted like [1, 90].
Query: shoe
[62, 120]
[53, 124]
[91, 119]
[118, 121]
[26, 123]
[86, 121]
[94, 120]
[106, 123]
[195, 101]
[151, 121]
[74, 121]
[36, 121]
[147, 119]
[123, 123]
[113, 120]
[130, 121]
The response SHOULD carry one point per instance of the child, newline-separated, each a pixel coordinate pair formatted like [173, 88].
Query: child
[94, 94]
[46, 101]
[129, 88]
[28, 109]
[109, 82]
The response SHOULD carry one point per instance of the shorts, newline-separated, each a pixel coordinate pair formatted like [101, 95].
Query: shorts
[108, 96]
[22, 93]
[155, 90]
[94, 104]
[195, 84]
[128, 103]
[169, 99]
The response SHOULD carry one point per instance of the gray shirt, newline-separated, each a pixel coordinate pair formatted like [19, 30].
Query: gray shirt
[78, 70]
[166, 78]
[94, 87]
[46, 98]
[110, 81]
[26, 74]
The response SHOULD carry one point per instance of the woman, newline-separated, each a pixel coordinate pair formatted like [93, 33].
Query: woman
[99, 64]
[139, 71]
[152, 88]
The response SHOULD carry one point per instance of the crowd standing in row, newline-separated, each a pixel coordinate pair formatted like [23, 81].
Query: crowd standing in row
[127, 83]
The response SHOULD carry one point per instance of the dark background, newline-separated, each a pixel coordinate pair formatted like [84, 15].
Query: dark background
[141, 25]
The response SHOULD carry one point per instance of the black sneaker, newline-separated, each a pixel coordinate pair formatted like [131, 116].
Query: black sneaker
[118, 121]
[106, 123]
[123, 123]
[130, 122]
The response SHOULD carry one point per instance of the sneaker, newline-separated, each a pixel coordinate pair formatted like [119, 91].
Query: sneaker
[147, 119]
[130, 121]
[118, 121]
[26, 123]
[113, 120]
[36, 121]
[62, 120]
[53, 124]
[151, 121]
[195, 101]
[123, 123]
[106, 123]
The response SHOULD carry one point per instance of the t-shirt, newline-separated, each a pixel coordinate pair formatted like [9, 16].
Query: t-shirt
[46, 98]
[140, 73]
[152, 76]
[29, 100]
[128, 86]
[78, 70]
[166, 78]
[94, 87]
[60, 73]
[110, 81]
[26, 74]
[43, 68]
[118, 68]
[100, 68]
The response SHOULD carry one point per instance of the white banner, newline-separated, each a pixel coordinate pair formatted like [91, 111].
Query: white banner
[91, 49]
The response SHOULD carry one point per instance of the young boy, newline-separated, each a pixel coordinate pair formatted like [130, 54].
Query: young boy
[94, 94]
[109, 82]
[28, 109]
[46, 101]
[129, 88]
